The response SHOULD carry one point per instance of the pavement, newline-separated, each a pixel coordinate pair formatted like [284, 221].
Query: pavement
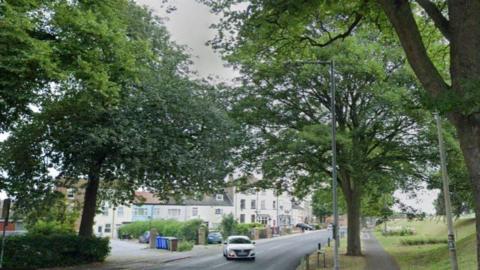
[279, 253]
[377, 258]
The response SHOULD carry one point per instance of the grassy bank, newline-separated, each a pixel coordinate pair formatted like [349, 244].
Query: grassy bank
[425, 255]
[346, 262]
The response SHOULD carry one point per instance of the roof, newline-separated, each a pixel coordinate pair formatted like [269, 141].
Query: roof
[208, 200]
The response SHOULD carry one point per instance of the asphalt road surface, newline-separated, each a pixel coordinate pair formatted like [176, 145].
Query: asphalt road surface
[283, 253]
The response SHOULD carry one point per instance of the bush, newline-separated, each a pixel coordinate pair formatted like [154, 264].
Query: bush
[185, 246]
[50, 227]
[183, 230]
[228, 225]
[423, 241]
[401, 232]
[243, 229]
[34, 251]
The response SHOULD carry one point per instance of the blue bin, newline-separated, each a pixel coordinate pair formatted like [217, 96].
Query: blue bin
[162, 242]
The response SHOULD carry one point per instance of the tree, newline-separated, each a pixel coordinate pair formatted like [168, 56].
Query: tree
[380, 143]
[450, 83]
[124, 115]
[26, 59]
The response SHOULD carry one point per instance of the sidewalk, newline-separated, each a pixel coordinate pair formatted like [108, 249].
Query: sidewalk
[377, 257]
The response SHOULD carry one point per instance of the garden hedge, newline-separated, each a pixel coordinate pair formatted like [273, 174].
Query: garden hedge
[42, 251]
[183, 230]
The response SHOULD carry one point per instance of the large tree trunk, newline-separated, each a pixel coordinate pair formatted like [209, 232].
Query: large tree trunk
[90, 203]
[352, 192]
[469, 136]
[354, 247]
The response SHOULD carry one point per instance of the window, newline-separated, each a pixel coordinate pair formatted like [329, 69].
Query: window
[219, 197]
[274, 204]
[195, 211]
[140, 211]
[242, 204]
[252, 218]
[99, 230]
[70, 193]
[174, 212]
[120, 211]
[262, 205]
[253, 204]
[281, 207]
[108, 228]
[264, 220]
[156, 212]
[242, 218]
[218, 211]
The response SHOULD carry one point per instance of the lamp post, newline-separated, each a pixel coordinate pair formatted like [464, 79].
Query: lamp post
[331, 65]
[446, 195]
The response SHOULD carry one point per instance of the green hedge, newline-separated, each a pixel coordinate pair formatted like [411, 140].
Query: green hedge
[399, 232]
[41, 251]
[423, 241]
[185, 246]
[183, 230]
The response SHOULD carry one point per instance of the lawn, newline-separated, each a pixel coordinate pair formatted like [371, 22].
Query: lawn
[431, 256]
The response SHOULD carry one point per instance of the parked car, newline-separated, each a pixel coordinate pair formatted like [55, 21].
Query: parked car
[214, 238]
[239, 247]
[144, 238]
[304, 226]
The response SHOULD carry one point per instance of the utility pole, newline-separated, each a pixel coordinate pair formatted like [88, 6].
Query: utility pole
[336, 228]
[331, 64]
[446, 194]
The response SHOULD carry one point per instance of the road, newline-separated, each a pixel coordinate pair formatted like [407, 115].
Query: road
[283, 253]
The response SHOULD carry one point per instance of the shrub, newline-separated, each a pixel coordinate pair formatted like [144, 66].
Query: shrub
[50, 227]
[185, 246]
[422, 241]
[183, 230]
[401, 232]
[228, 225]
[40, 251]
[243, 229]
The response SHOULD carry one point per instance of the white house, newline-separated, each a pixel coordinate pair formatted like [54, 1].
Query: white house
[210, 209]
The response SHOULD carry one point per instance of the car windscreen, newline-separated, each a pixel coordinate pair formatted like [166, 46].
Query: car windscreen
[239, 241]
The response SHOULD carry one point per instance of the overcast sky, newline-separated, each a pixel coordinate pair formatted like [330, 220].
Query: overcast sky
[189, 25]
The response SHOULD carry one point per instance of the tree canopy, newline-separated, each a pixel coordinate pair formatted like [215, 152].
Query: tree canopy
[285, 105]
[123, 113]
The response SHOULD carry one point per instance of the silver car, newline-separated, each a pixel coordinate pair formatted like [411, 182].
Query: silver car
[239, 247]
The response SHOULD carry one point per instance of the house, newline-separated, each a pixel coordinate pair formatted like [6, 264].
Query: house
[262, 206]
[13, 225]
[210, 209]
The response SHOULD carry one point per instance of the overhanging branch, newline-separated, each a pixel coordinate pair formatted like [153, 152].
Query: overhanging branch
[436, 15]
[343, 35]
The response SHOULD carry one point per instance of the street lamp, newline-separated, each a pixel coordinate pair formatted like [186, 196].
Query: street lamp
[446, 195]
[331, 64]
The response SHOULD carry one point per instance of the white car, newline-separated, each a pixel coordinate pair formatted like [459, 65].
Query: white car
[239, 247]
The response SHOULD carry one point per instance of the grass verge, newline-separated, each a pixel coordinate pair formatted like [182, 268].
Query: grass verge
[431, 255]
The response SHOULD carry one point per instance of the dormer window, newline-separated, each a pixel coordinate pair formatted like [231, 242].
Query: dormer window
[219, 197]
